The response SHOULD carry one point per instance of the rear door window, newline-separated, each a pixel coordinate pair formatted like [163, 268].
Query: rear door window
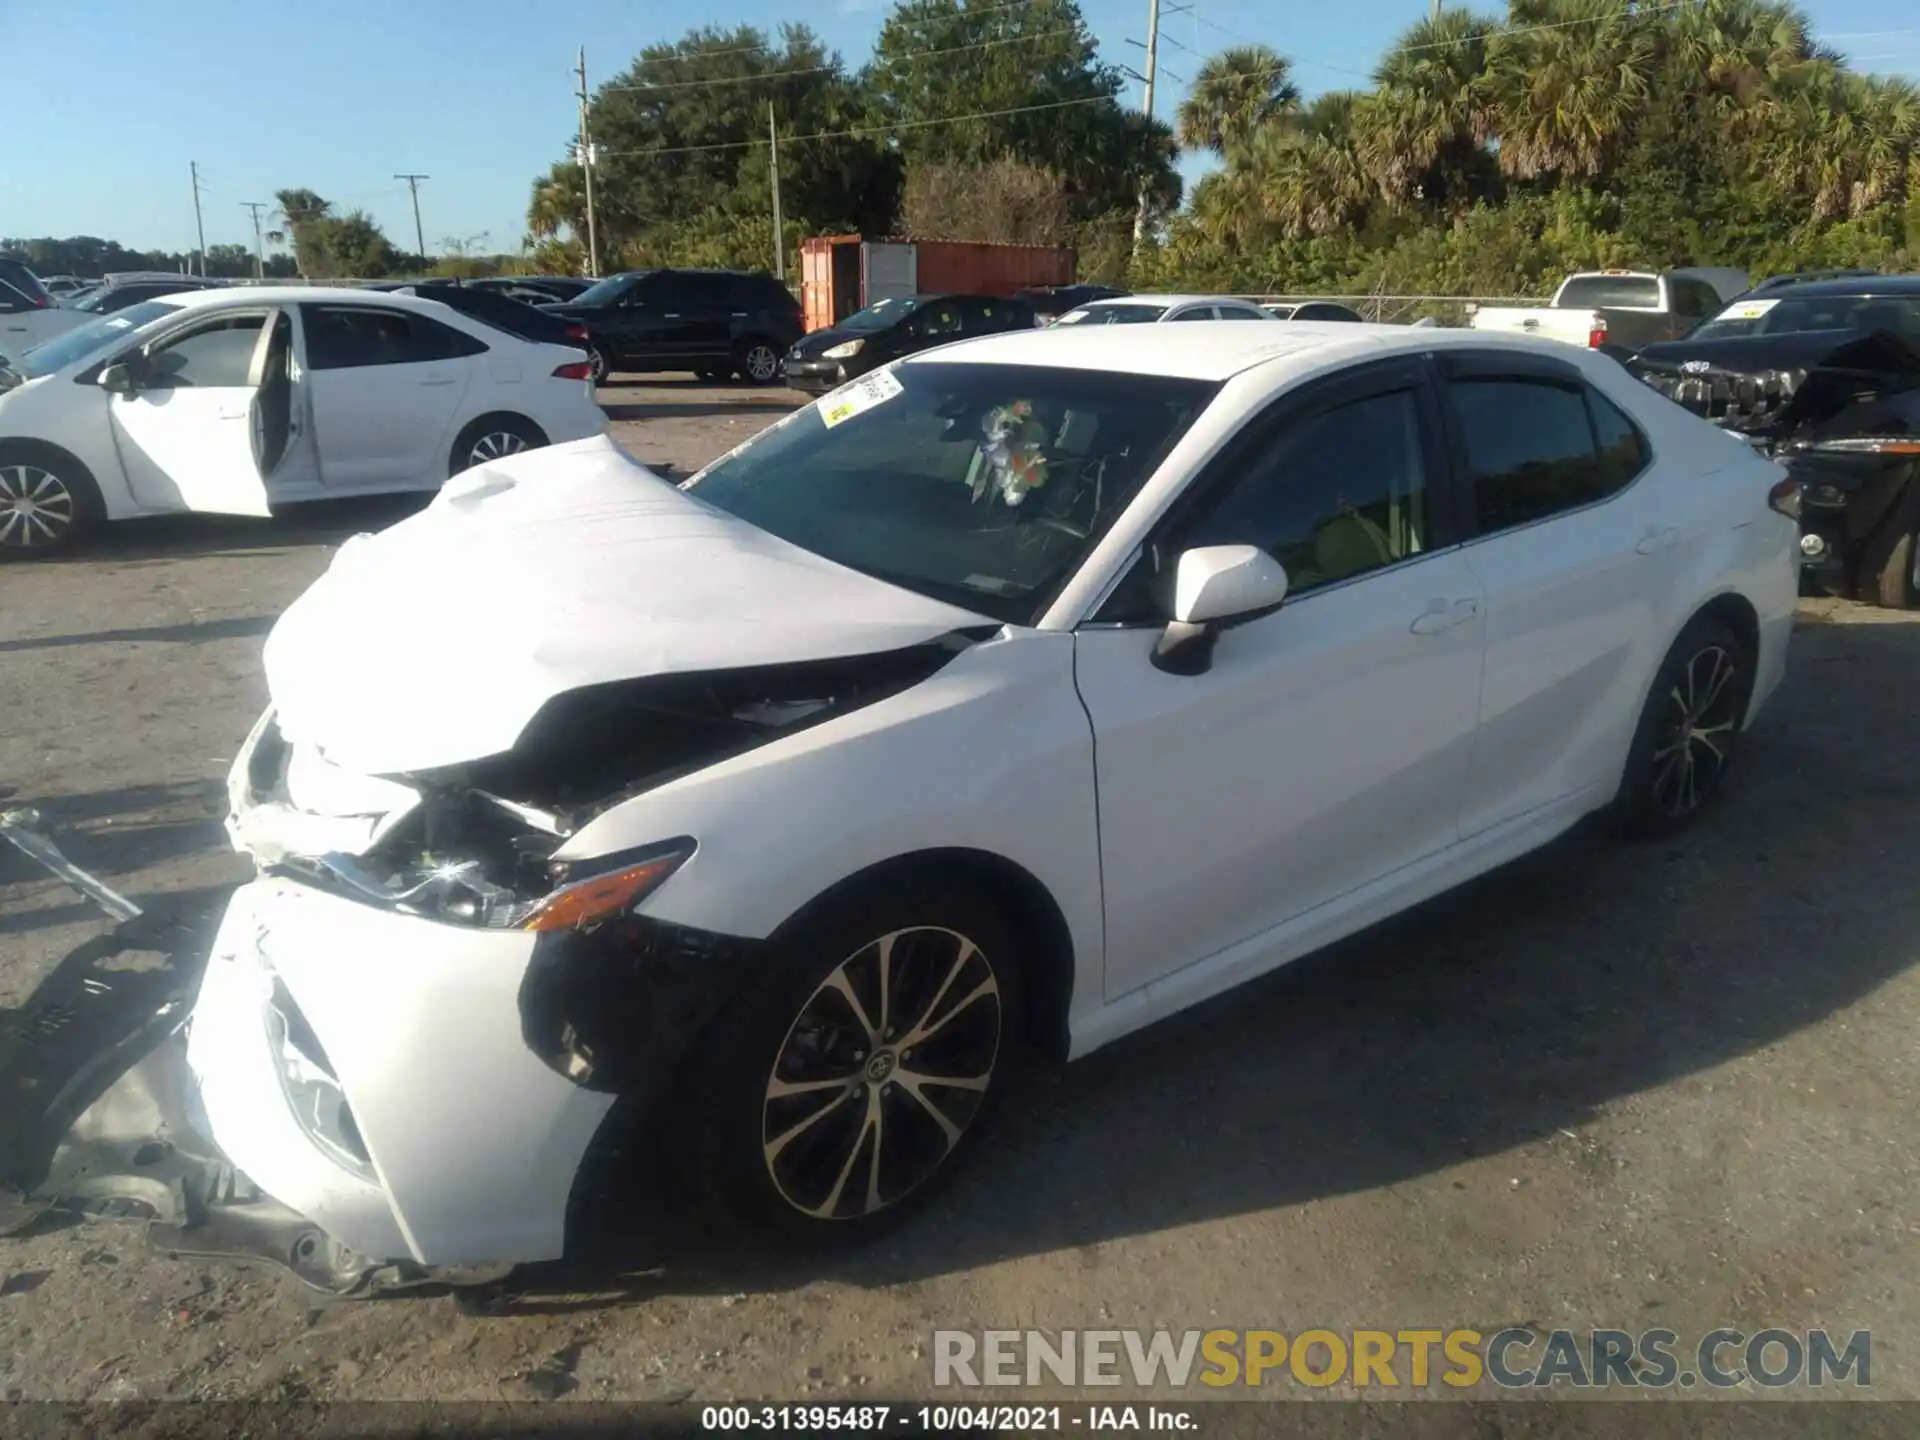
[349, 337]
[1574, 447]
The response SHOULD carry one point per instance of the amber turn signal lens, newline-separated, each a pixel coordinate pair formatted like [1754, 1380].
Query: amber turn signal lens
[600, 898]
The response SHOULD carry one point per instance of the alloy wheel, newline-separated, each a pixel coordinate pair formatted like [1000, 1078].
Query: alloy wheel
[495, 445]
[882, 1073]
[761, 363]
[36, 508]
[1697, 726]
[596, 367]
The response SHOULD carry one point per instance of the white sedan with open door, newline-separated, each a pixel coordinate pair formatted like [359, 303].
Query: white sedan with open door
[1007, 699]
[237, 400]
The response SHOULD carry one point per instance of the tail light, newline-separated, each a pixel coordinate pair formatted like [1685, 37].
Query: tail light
[577, 334]
[574, 370]
[1785, 497]
[1596, 332]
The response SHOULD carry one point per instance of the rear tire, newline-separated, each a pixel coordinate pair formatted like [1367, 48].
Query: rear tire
[1689, 729]
[48, 503]
[822, 1124]
[1886, 574]
[493, 437]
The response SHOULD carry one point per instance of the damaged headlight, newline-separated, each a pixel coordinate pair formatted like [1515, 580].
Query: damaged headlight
[569, 895]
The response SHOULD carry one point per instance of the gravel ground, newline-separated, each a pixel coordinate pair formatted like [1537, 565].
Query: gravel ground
[1609, 1086]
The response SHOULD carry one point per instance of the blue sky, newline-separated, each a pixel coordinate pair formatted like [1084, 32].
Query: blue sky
[109, 100]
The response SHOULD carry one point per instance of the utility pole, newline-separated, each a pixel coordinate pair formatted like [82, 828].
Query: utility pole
[773, 169]
[193, 167]
[1146, 104]
[586, 163]
[259, 245]
[419, 235]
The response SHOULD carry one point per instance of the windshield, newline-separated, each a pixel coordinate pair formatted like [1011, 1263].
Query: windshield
[1113, 315]
[607, 291]
[1609, 292]
[1897, 314]
[980, 485]
[77, 344]
[880, 315]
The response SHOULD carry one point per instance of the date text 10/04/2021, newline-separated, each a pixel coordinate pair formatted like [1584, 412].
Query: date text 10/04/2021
[945, 1419]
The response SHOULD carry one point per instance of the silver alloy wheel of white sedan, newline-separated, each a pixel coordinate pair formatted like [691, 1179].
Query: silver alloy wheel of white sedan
[495, 445]
[37, 509]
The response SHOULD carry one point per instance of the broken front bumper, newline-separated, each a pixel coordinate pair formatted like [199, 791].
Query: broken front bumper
[367, 1070]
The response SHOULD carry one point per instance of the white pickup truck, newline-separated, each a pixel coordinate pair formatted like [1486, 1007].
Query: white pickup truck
[1620, 310]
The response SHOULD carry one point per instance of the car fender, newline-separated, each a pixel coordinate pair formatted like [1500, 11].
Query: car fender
[992, 753]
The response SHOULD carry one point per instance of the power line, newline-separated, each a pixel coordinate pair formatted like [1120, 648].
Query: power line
[872, 129]
[823, 69]
[965, 15]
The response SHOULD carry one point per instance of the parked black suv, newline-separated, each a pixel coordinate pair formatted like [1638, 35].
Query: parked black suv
[715, 323]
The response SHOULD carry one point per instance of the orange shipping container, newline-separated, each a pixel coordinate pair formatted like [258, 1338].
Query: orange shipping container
[844, 273]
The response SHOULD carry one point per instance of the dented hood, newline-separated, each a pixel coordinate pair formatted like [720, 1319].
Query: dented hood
[436, 641]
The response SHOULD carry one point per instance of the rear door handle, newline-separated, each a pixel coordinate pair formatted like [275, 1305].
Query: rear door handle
[1444, 616]
[1658, 539]
[439, 380]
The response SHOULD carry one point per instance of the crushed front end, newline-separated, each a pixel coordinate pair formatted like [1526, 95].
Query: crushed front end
[1840, 409]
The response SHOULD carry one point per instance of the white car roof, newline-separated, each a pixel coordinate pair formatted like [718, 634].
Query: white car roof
[1217, 350]
[287, 295]
[1115, 300]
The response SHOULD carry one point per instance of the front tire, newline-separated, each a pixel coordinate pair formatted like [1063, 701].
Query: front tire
[849, 1084]
[493, 437]
[757, 362]
[1889, 569]
[48, 503]
[1688, 731]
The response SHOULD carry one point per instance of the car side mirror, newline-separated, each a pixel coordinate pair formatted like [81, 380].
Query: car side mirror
[118, 379]
[1214, 587]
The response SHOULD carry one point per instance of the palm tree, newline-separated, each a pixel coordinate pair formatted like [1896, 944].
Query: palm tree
[1234, 94]
[558, 201]
[1565, 84]
[1425, 127]
[1301, 178]
[302, 213]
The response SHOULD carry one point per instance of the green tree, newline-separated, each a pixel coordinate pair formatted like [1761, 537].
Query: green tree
[680, 142]
[1566, 80]
[1034, 77]
[302, 216]
[1234, 94]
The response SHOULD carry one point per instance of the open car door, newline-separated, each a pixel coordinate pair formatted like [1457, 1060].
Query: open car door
[206, 416]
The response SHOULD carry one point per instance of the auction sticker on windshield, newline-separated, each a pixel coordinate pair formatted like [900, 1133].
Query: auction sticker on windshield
[862, 395]
[1747, 310]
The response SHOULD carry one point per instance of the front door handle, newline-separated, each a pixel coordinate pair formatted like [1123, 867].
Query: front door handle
[1658, 539]
[233, 412]
[439, 380]
[1444, 616]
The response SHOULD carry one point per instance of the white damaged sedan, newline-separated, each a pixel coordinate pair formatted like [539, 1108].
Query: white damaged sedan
[1004, 701]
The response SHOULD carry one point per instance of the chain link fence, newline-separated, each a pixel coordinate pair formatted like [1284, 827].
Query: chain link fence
[1448, 310]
